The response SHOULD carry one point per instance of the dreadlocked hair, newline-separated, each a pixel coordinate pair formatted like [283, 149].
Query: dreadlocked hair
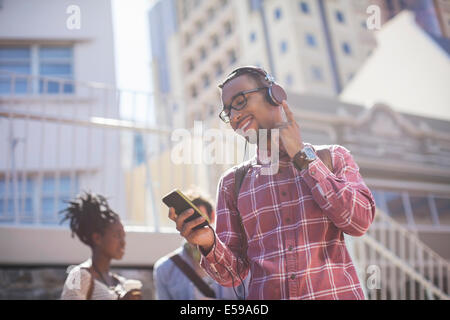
[88, 213]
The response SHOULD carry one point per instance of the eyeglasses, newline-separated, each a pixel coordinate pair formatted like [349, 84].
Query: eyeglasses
[238, 102]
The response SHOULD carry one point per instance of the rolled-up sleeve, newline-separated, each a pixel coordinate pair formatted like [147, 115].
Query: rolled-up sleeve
[226, 261]
[343, 196]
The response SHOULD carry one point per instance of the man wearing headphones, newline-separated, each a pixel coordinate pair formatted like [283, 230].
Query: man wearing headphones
[288, 227]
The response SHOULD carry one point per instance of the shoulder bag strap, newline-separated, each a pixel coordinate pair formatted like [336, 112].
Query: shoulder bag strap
[91, 286]
[193, 276]
[239, 176]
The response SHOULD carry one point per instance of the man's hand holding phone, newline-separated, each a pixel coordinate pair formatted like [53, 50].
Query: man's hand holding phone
[203, 237]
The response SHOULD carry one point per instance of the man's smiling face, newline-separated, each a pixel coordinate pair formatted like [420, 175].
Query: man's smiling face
[257, 114]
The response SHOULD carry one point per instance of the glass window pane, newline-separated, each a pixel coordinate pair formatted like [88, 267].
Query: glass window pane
[14, 53]
[310, 40]
[340, 16]
[395, 207]
[64, 185]
[55, 69]
[2, 187]
[347, 49]
[26, 211]
[16, 67]
[304, 7]
[21, 86]
[316, 73]
[47, 206]
[277, 13]
[28, 205]
[443, 209]
[9, 207]
[379, 199]
[25, 188]
[6, 81]
[48, 186]
[421, 209]
[55, 52]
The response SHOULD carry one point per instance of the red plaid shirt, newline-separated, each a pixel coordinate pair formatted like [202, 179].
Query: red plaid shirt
[294, 223]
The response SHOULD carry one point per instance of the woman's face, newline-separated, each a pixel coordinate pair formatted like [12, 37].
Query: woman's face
[112, 242]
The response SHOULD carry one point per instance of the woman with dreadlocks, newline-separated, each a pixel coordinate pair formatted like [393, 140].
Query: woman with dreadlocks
[97, 226]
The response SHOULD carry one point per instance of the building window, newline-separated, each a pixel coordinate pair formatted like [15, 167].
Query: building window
[304, 7]
[414, 208]
[311, 40]
[24, 200]
[340, 17]
[289, 80]
[139, 149]
[36, 60]
[199, 26]
[36, 199]
[187, 39]
[346, 48]
[253, 37]
[283, 46]
[228, 28]
[443, 210]
[316, 73]
[277, 14]
[202, 53]
[219, 69]
[191, 65]
[193, 92]
[421, 210]
[55, 62]
[395, 206]
[232, 57]
[215, 41]
[211, 14]
[206, 81]
[16, 60]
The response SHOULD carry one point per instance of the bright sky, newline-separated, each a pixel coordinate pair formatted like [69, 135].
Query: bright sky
[132, 44]
[132, 54]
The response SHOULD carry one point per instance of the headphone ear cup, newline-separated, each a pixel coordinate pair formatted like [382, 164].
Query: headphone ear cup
[276, 94]
[269, 96]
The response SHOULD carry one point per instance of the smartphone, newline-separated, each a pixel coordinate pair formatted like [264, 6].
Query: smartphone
[180, 203]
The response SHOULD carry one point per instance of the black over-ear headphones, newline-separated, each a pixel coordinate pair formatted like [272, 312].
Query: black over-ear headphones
[275, 93]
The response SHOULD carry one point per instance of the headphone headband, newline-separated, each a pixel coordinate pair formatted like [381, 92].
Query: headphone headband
[252, 69]
[275, 93]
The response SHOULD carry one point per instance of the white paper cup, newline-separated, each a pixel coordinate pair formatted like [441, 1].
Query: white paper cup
[129, 285]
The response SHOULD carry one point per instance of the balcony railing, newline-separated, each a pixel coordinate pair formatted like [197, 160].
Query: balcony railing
[395, 264]
[97, 138]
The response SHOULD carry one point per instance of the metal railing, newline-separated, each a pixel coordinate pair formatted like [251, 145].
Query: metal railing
[54, 144]
[395, 264]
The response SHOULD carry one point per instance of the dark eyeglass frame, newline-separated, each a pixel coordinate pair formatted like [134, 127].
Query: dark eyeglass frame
[224, 115]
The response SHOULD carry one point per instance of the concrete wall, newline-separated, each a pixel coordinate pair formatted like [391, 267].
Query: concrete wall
[45, 22]
[44, 246]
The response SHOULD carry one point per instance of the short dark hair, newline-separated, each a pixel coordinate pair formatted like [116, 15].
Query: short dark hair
[255, 75]
[200, 198]
[89, 213]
